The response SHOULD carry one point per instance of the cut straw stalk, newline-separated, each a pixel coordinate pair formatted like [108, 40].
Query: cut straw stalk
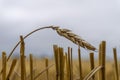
[67, 71]
[56, 52]
[80, 64]
[61, 62]
[46, 65]
[92, 63]
[102, 56]
[22, 56]
[31, 67]
[99, 61]
[116, 64]
[69, 63]
[4, 65]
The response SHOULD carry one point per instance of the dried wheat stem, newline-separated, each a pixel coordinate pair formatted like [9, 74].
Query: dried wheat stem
[25, 38]
[62, 32]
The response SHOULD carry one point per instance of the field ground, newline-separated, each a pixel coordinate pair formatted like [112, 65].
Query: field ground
[39, 65]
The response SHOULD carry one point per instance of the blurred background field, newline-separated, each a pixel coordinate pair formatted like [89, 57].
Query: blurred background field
[39, 66]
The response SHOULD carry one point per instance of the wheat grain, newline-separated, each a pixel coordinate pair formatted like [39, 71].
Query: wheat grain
[74, 38]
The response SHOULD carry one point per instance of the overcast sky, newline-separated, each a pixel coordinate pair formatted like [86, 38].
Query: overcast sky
[93, 20]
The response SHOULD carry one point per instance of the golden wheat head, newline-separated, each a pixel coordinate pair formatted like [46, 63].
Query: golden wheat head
[74, 38]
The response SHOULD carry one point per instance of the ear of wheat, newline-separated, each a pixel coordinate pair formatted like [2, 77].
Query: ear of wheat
[74, 38]
[62, 32]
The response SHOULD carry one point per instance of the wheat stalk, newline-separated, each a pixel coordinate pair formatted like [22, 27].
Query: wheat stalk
[62, 32]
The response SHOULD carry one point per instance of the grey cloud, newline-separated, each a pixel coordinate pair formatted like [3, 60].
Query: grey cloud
[93, 20]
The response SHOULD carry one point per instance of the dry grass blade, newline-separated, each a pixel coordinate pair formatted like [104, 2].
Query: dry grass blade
[43, 71]
[92, 72]
[29, 75]
[11, 68]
